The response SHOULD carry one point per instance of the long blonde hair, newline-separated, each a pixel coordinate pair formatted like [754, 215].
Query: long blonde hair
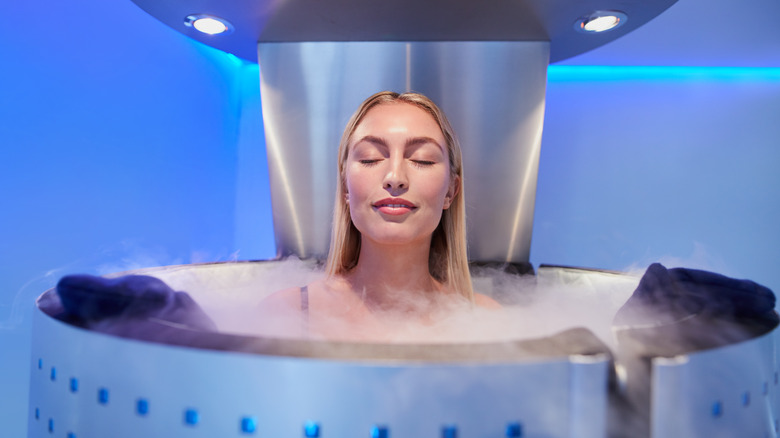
[448, 260]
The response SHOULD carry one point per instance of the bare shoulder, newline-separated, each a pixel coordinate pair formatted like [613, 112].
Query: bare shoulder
[282, 298]
[290, 298]
[282, 307]
[279, 314]
[486, 302]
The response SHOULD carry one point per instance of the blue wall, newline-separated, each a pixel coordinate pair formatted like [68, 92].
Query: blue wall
[119, 147]
[673, 164]
[124, 144]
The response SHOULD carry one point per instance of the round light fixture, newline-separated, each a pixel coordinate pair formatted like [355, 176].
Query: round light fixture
[600, 21]
[208, 24]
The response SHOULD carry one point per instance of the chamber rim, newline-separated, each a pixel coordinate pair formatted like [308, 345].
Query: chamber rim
[560, 346]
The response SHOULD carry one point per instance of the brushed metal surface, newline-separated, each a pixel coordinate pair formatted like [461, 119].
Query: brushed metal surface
[403, 20]
[728, 391]
[492, 92]
[552, 395]
[725, 392]
[281, 394]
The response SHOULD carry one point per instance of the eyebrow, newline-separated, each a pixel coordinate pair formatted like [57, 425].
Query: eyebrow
[414, 141]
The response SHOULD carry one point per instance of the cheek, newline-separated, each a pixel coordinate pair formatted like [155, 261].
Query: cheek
[358, 189]
[355, 184]
[436, 189]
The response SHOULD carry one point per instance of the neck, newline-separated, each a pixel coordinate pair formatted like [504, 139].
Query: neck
[386, 274]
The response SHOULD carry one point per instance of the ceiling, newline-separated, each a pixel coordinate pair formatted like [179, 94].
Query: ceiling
[710, 33]
[716, 33]
[269, 21]
[713, 33]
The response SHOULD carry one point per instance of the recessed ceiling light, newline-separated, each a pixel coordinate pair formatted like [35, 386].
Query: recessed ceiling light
[208, 24]
[600, 21]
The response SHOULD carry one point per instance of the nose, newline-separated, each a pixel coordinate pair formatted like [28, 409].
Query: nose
[396, 178]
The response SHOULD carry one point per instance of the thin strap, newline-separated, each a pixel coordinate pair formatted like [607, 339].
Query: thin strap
[305, 309]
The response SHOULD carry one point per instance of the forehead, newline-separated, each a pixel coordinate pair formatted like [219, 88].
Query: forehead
[398, 118]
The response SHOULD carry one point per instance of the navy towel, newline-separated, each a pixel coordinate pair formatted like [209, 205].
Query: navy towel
[677, 312]
[665, 296]
[124, 301]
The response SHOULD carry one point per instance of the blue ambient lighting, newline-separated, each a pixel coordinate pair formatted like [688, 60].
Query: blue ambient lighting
[449, 431]
[74, 384]
[103, 396]
[379, 432]
[191, 417]
[51, 425]
[248, 424]
[53, 374]
[717, 409]
[311, 429]
[514, 430]
[589, 73]
[142, 407]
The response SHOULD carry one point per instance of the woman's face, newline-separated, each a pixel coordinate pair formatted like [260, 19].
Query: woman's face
[397, 175]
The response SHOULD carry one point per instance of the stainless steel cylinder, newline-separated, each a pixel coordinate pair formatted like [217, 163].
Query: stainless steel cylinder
[492, 92]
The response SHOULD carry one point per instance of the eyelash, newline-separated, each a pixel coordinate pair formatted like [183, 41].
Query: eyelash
[423, 163]
[416, 163]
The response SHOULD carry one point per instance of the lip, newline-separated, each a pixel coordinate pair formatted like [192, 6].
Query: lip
[394, 206]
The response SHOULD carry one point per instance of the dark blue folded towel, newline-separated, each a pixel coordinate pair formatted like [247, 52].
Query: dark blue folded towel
[668, 295]
[128, 300]
[677, 312]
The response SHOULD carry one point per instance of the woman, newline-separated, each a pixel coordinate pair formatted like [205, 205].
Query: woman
[397, 256]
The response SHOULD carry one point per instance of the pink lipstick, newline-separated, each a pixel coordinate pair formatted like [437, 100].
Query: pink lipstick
[394, 206]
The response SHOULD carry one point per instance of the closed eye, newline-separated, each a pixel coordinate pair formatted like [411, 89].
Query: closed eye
[368, 163]
[423, 163]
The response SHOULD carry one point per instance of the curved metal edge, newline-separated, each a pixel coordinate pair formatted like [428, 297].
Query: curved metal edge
[576, 341]
[305, 20]
[727, 391]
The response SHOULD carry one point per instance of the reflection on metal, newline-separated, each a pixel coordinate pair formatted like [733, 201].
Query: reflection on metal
[730, 391]
[403, 20]
[492, 92]
[132, 388]
[92, 384]
[484, 63]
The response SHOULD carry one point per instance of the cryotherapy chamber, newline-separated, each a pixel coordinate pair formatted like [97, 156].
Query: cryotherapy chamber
[165, 379]
[485, 64]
